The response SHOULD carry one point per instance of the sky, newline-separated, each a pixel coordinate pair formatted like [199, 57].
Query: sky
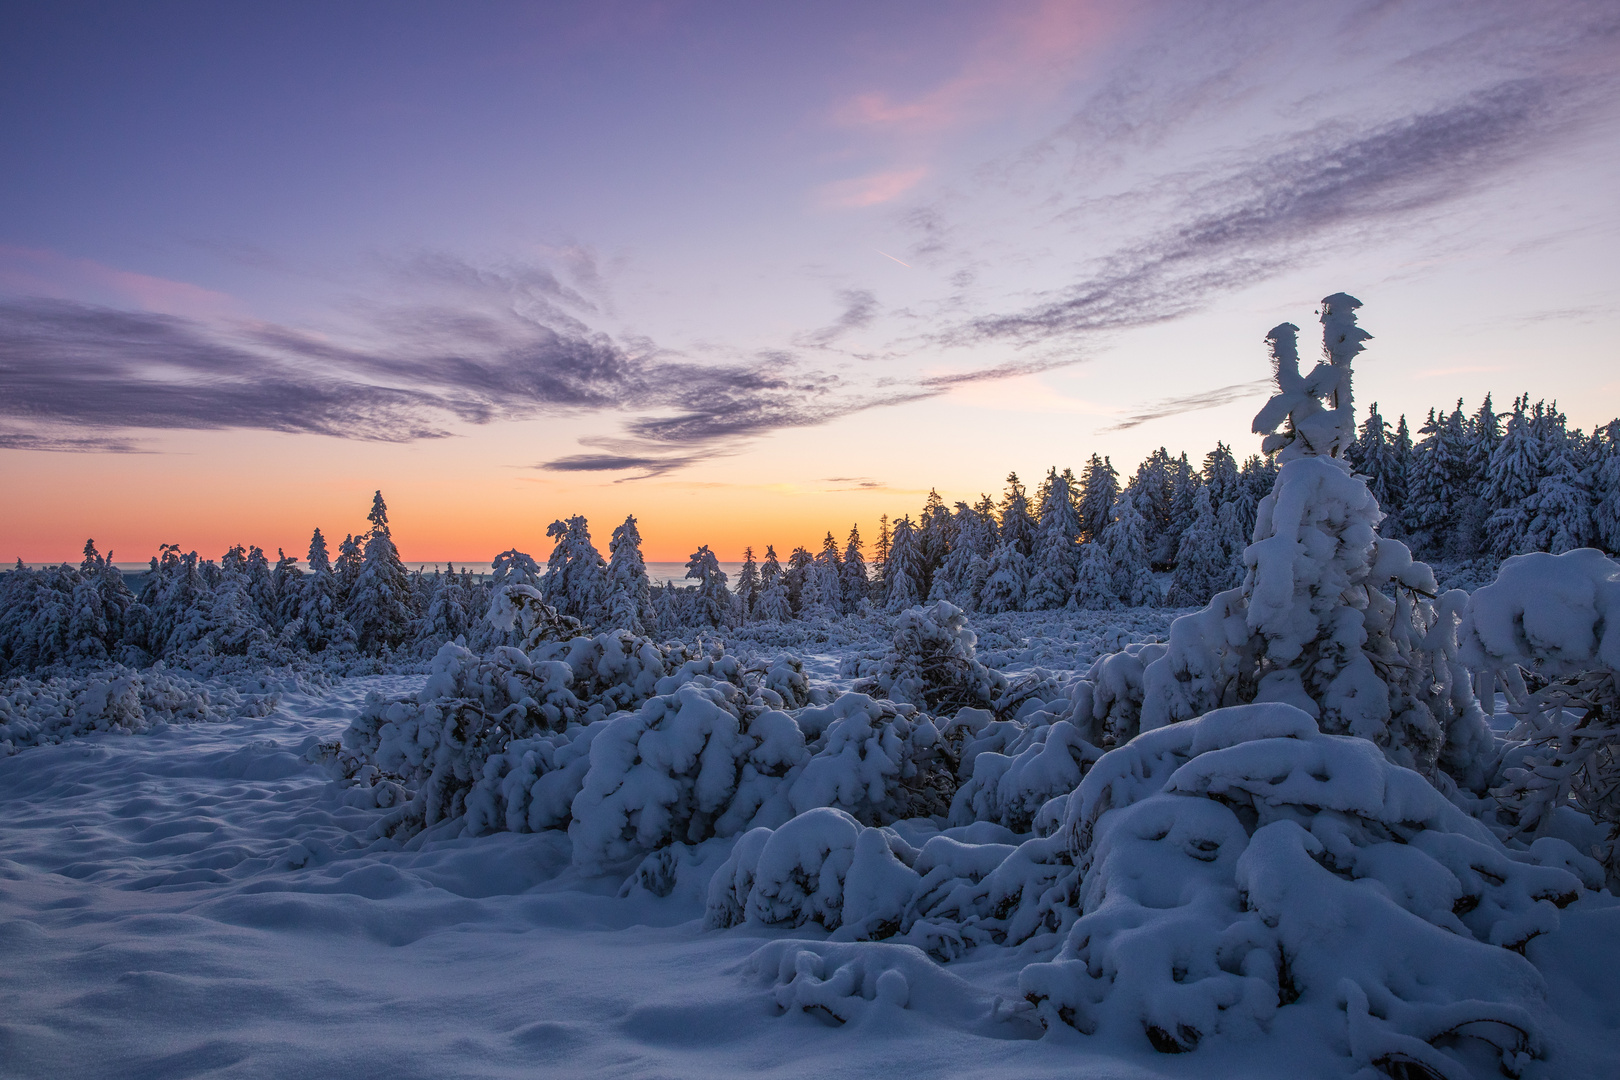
[754, 272]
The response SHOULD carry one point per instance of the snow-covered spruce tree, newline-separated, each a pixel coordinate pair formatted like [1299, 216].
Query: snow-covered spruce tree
[449, 614]
[748, 586]
[713, 598]
[576, 577]
[1202, 561]
[936, 531]
[773, 604]
[321, 622]
[1005, 584]
[1057, 546]
[1558, 514]
[1094, 583]
[1155, 490]
[852, 574]
[288, 582]
[828, 575]
[347, 567]
[902, 572]
[1322, 631]
[1126, 548]
[1515, 470]
[379, 606]
[629, 592]
[1605, 485]
[1099, 489]
[967, 565]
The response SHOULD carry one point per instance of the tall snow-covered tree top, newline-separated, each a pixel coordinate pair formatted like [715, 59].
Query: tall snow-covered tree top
[1315, 411]
[379, 513]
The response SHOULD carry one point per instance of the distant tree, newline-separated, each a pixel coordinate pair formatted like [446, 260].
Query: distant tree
[379, 606]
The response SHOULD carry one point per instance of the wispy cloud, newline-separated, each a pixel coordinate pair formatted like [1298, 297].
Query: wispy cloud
[871, 190]
[1207, 399]
[1276, 208]
[860, 306]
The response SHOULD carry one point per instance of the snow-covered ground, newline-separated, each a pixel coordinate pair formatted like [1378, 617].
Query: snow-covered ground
[195, 901]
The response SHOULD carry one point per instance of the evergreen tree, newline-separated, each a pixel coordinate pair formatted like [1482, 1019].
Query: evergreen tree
[1155, 492]
[629, 593]
[1016, 523]
[379, 605]
[1201, 559]
[347, 568]
[1220, 474]
[774, 604]
[1605, 487]
[1007, 582]
[576, 581]
[797, 576]
[713, 599]
[1515, 471]
[903, 569]
[321, 622]
[1057, 546]
[1094, 586]
[1125, 546]
[854, 583]
[1099, 488]
[934, 536]
[748, 585]
[880, 560]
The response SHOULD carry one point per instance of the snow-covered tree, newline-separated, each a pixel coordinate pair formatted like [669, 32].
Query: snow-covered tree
[1099, 488]
[1323, 632]
[852, 574]
[903, 569]
[1202, 561]
[774, 604]
[576, 581]
[380, 604]
[1057, 546]
[321, 622]
[713, 599]
[748, 586]
[629, 593]
[1125, 547]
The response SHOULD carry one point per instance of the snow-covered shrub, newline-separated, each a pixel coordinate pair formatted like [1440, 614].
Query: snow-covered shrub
[877, 760]
[701, 760]
[1244, 865]
[1554, 618]
[1009, 787]
[37, 712]
[933, 664]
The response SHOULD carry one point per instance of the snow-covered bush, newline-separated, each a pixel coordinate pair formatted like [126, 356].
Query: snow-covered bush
[1243, 868]
[877, 760]
[1552, 619]
[36, 712]
[933, 664]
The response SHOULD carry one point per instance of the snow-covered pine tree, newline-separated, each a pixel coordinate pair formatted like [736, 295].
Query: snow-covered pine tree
[629, 592]
[774, 604]
[380, 604]
[852, 576]
[576, 580]
[828, 573]
[448, 613]
[320, 611]
[712, 599]
[1559, 511]
[880, 561]
[934, 537]
[796, 576]
[288, 583]
[1057, 545]
[748, 586]
[261, 584]
[903, 570]
[1515, 470]
[1372, 456]
[1125, 547]
[1007, 581]
[347, 567]
[1202, 561]
[1154, 491]
[967, 566]
[1099, 487]
[1015, 523]
[1094, 584]
[1220, 475]
[1323, 632]
[1605, 487]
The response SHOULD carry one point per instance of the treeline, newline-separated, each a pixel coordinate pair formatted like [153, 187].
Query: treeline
[1471, 488]
[193, 611]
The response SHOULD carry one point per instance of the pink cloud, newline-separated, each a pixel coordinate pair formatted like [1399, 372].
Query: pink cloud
[38, 272]
[1031, 55]
[872, 190]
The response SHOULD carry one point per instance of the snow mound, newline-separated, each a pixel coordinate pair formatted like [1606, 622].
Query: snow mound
[1244, 870]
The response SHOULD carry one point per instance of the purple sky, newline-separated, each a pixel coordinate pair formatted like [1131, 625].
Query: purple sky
[794, 262]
